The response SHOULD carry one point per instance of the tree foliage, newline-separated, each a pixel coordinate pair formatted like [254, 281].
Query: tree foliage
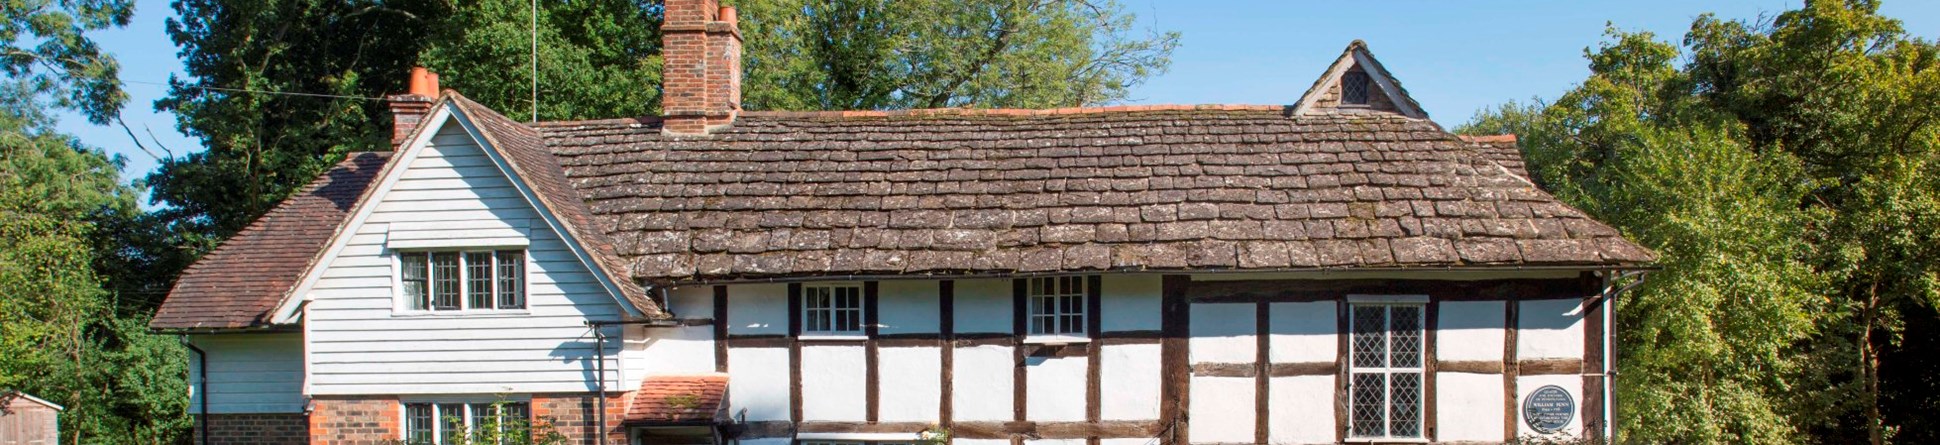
[1784, 169]
[44, 46]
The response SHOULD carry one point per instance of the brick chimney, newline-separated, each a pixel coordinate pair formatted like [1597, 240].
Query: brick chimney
[408, 110]
[701, 83]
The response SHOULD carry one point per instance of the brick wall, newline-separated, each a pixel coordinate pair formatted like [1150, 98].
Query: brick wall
[570, 415]
[256, 429]
[370, 420]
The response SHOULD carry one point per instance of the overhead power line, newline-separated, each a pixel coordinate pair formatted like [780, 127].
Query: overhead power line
[242, 90]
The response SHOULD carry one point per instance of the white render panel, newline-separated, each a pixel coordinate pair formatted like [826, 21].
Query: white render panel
[691, 301]
[1130, 302]
[1573, 384]
[911, 379]
[1055, 389]
[360, 342]
[907, 306]
[1470, 407]
[1301, 409]
[1222, 410]
[980, 441]
[1130, 377]
[1224, 333]
[981, 388]
[757, 309]
[249, 373]
[1549, 329]
[1304, 332]
[681, 350]
[1055, 442]
[1471, 330]
[759, 377]
[984, 306]
[1129, 441]
[835, 383]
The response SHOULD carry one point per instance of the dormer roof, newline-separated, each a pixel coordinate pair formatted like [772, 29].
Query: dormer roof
[1357, 69]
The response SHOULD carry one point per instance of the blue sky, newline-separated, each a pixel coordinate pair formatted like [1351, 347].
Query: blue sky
[1454, 57]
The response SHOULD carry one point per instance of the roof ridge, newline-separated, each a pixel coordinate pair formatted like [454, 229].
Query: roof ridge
[1019, 111]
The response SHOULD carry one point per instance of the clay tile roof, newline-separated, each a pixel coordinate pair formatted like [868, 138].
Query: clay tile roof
[678, 399]
[238, 284]
[1158, 188]
[528, 157]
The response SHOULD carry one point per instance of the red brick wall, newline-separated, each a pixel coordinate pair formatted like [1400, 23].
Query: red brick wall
[570, 415]
[369, 420]
[256, 429]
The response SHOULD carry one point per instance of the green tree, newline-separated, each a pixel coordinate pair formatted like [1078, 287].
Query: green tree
[44, 45]
[881, 54]
[596, 59]
[1785, 170]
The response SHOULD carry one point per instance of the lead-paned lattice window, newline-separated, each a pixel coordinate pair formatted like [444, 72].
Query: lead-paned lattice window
[1385, 387]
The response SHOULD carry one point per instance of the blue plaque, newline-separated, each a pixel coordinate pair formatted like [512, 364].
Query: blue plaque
[1548, 409]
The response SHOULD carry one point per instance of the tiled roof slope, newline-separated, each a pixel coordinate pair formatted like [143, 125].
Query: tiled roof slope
[238, 284]
[678, 398]
[1502, 149]
[1125, 188]
[527, 155]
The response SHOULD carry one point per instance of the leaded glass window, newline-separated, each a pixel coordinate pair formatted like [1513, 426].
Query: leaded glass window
[1385, 387]
[1354, 87]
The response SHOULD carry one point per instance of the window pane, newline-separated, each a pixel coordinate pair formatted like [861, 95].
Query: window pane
[451, 422]
[1370, 345]
[511, 279]
[1353, 87]
[1405, 336]
[478, 280]
[417, 424]
[482, 417]
[444, 280]
[413, 278]
[1404, 399]
[515, 415]
[1369, 405]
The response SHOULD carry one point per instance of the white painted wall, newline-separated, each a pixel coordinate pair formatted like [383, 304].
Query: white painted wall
[1468, 406]
[1471, 330]
[981, 383]
[912, 382]
[359, 341]
[984, 306]
[1130, 377]
[1304, 332]
[1570, 383]
[757, 309]
[907, 307]
[1301, 409]
[1549, 329]
[1130, 302]
[1224, 333]
[677, 350]
[1222, 410]
[1054, 389]
[249, 373]
[758, 378]
[834, 382]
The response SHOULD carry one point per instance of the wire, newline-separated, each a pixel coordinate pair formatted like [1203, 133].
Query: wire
[240, 90]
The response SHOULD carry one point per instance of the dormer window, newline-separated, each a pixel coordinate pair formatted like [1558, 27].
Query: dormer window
[1353, 88]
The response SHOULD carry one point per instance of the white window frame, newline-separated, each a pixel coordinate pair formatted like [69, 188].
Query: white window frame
[403, 304]
[831, 290]
[438, 417]
[1388, 303]
[1039, 289]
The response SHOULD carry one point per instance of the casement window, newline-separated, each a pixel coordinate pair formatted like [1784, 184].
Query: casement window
[1354, 87]
[451, 423]
[1385, 371]
[832, 309]
[1057, 306]
[854, 442]
[462, 281]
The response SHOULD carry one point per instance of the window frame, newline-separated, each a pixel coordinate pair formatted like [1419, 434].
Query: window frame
[859, 312]
[1366, 84]
[1069, 304]
[439, 419]
[1388, 304]
[407, 304]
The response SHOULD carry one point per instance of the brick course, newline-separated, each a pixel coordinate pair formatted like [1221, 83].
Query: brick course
[569, 413]
[369, 420]
[255, 429]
